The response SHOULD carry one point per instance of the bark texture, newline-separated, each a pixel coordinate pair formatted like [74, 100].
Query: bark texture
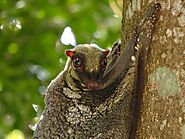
[161, 107]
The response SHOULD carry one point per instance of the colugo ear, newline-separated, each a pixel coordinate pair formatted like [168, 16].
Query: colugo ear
[70, 53]
[106, 52]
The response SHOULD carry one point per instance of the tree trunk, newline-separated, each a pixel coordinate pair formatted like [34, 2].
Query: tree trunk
[160, 109]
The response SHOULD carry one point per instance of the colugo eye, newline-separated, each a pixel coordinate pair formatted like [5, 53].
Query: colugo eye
[78, 61]
[103, 62]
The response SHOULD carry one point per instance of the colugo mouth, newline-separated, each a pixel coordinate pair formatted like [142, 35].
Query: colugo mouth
[92, 85]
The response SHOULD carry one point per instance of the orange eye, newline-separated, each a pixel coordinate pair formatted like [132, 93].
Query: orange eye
[78, 61]
[103, 62]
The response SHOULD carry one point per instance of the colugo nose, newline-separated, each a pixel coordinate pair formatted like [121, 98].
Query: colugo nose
[93, 74]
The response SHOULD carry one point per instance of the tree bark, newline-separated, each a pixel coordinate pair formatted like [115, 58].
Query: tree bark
[160, 109]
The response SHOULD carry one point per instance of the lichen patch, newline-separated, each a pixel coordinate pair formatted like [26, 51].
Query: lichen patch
[166, 82]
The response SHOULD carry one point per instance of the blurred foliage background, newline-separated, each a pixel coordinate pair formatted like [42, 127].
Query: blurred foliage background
[31, 53]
